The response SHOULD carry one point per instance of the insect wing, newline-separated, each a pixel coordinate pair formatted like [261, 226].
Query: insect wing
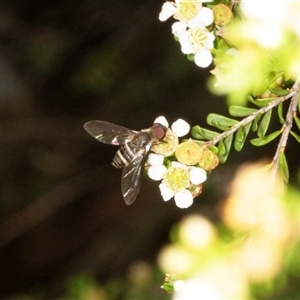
[108, 133]
[132, 177]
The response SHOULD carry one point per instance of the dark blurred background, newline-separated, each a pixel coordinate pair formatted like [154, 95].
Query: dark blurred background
[63, 63]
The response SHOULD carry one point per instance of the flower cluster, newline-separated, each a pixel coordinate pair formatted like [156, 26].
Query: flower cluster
[197, 26]
[181, 168]
[191, 28]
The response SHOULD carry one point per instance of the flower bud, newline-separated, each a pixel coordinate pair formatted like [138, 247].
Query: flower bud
[209, 160]
[222, 14]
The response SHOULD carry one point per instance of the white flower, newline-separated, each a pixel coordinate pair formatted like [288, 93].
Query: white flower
[192, 13]
[180, 127]
[183, 199]
[177, 181]
[198, 41]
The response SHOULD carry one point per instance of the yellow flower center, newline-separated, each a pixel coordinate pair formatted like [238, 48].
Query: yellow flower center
[187, 10]
[198, 38]
[177, 179]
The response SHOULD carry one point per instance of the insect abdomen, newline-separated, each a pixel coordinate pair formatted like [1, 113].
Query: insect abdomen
[123, 156]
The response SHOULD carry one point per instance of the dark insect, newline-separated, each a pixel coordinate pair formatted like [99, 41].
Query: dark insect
[131, 156]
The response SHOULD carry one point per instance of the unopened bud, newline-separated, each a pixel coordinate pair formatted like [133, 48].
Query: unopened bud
[222, 14]
[209, 160]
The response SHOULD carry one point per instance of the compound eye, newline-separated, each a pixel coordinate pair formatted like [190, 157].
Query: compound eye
[159, 131]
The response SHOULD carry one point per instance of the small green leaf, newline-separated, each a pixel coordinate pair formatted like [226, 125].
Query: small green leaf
[296, 136]
[226, 146]
[241, 136]
[222, 148]
[270, 80]
[266, 139]
[220, 122]
[203, 134]
[240, 111]
[264, 124]
[260, 102]
[168, 287]
[279, 91]
[255, 123]
[214, 149]
[283, 167]
[280, 113]
[190, 57]
[220, 44]
[298, 103]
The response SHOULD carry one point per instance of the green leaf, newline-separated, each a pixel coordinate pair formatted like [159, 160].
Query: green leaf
[280, 113]
[221, 122]
[297, 121]
[283, 167]
[222, 148]
[255, 123]
[190, 57]
[219, 43]
[270, 80]
[266, 139]
[260, 102]
[240, 111]
[203, 134]
[279, 91]
[214, 149]
[296, 136]
[241, 136]
[264, 124]
[225, 148]
[298, 103]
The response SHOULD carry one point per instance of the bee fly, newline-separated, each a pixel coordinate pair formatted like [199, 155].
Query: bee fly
[131, 156]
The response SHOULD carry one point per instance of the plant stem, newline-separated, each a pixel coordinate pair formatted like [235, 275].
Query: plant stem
[250, 118]
[286, 129]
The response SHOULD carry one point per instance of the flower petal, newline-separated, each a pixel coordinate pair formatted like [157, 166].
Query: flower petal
[162, 120]
[186, 46]
[203, 58]
[180, 127]
[196, 23]
[157, 172]
[168, 9]
[166, 193]
[179, 28]
[183, 199]
[206, 15]
[197, 175]
[155, 159]
[177, 164]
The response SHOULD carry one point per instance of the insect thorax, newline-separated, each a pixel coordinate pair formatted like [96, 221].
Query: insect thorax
[140, 142]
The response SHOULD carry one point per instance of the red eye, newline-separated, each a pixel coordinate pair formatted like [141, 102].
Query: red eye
[158, 131]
